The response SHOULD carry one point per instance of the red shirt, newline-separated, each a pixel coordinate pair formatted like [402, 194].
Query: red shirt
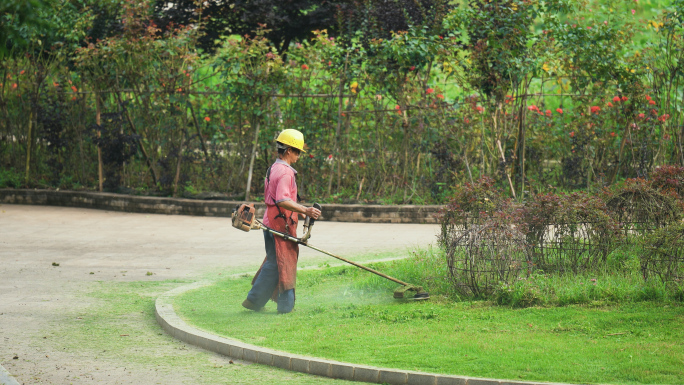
[280, 186]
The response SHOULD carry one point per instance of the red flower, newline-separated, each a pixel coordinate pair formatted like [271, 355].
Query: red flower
[412, 68]
[74, 98]
[651, 102]
[362, 164]
[572, 134]
[57, 85]
[612, 134]
[21, 73]
[648, 97]
[548, 112]
[73, 88]
[616, 99]
[559, 110]
[440, 96]
[533, 108]
[311, 156]
[641, 116]
[466, 120]
[330, 156]
[595, 109]
[624, 99]
[664, 118]
[479, 109]
[207, 119]
[430, 90]
[666, 137]
[305, 67]
[14, 86]
[610, 104]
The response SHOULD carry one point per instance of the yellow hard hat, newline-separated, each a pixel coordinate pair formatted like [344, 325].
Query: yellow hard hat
[292, 138]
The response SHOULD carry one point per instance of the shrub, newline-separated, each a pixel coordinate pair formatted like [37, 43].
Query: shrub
[10, 178]
[468, 205]
[668, 178]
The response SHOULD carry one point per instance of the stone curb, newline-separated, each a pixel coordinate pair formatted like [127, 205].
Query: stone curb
[176, 327]
[211, 208]
[6, 378]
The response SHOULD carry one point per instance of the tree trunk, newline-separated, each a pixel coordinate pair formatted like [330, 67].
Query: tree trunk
[29, 141]
[140, 143]
[178, 164]
[251, 160]
[98, 121]
[338, 131]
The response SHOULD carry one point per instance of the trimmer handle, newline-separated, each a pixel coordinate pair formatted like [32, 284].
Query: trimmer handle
[308, 224]
[316, 206]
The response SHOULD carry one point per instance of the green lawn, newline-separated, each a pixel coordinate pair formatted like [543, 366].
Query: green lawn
[631, 343]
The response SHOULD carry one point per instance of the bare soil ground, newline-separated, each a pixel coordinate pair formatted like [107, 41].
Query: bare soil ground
[77, 288]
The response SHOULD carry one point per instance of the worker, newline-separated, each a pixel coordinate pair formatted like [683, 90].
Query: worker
[278, 273]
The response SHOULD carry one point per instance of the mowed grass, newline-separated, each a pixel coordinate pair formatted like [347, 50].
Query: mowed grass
[337, 318]
[117, 328]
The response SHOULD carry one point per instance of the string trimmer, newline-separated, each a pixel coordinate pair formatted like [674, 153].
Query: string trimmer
[244, 218]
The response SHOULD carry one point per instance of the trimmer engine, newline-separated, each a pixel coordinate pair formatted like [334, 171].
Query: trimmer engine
[244, 216]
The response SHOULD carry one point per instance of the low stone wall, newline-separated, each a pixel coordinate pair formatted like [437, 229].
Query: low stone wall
[179, 206]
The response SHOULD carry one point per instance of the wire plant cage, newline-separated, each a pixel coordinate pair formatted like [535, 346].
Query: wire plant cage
[485, 257]
[664, 255]
[641, 210]
[569, 248]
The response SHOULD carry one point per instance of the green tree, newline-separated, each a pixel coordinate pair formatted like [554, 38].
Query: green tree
[15, 17]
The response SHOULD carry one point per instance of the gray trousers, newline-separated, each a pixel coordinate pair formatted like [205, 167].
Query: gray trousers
[266, 282]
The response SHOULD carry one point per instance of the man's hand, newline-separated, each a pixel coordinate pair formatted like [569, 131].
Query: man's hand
[312, 212]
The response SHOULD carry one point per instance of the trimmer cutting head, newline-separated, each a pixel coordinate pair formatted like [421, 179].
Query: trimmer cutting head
[420, 293]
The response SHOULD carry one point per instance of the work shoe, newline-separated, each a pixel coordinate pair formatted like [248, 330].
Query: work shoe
[247, 304]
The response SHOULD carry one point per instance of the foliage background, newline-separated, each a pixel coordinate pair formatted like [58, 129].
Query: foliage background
[396, 107]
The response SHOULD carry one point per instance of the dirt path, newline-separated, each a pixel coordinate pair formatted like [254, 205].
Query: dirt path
[53, 260]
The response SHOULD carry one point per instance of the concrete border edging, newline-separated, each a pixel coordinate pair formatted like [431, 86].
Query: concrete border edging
[176, 327]
[6, 378]
[211, 208]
